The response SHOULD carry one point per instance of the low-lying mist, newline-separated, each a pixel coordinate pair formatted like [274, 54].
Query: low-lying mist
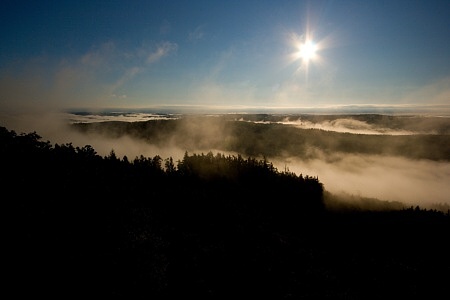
[360, 123]
[412, 182]
[352, 170]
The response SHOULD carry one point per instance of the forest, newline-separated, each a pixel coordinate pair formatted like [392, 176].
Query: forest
[207, 225]
[264, 135]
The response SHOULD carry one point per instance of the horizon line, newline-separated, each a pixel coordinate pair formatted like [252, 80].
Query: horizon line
[435, 109]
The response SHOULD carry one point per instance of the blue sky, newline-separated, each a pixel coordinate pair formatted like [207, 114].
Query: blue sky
[130, 54]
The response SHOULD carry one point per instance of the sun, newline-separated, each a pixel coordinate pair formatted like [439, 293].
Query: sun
[307, 51]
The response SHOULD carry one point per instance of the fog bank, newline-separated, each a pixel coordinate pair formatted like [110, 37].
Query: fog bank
[414, 182]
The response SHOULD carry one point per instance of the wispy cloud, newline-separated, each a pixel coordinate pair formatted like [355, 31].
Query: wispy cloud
[85, 80]
[162, 50]
[99, 56]
[126, 76]
[197, 34]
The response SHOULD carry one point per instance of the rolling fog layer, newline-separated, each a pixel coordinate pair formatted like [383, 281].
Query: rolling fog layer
[386, 177]
[413, 182]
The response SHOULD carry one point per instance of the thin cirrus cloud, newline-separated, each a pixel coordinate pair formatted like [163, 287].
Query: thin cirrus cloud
[163, 49]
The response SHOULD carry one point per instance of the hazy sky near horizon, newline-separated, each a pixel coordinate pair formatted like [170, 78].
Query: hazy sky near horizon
[95, 54]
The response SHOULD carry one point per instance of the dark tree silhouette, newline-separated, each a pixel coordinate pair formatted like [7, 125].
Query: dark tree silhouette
[209, 226]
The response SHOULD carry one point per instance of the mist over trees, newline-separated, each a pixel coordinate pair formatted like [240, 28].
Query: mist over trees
[245, 134]
[208, 225]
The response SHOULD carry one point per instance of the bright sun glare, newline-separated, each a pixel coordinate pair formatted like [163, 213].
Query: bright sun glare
[307, 51]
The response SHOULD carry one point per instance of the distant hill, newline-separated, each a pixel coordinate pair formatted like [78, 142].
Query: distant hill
[246, 134]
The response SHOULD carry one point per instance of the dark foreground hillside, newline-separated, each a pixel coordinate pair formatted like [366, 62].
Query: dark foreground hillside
[216, 226]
